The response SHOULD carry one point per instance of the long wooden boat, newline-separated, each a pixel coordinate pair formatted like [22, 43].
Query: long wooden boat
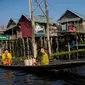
[58, 65]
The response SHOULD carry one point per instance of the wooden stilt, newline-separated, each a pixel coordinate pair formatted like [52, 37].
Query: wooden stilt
[45, 43]
[0, 48]
[12, 48]
[77, 44]
[35, 50]
[6, 44]
[10, 45]
[51, 45]
[2, 45]
[57, 44]
[27, 46]
[24, 47]
[57, 40]
[68, 47]
[16, 48]
[41, 41]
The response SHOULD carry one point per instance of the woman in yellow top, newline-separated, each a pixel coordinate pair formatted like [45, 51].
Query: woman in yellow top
[44, 57]
[6, 57]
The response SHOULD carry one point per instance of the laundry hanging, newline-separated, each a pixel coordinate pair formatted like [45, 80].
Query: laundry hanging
[72, 28]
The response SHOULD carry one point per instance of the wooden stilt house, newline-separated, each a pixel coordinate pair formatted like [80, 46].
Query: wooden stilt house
[72, 31]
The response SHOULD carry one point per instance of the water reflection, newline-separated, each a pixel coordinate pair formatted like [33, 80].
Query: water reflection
[63, 77]
[8, 75]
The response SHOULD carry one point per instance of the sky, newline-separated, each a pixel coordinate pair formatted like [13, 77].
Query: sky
[15, 8]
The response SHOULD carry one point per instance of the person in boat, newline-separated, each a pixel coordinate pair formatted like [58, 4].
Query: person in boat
[44, 57]
[6, 57]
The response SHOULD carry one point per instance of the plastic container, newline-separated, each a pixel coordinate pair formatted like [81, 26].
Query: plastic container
[28, 62]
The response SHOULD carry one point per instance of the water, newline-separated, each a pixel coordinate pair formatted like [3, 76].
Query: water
[72, 76]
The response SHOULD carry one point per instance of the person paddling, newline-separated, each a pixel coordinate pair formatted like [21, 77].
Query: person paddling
[6, 57]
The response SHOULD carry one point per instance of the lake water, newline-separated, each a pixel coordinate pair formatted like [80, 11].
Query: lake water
[73, 76]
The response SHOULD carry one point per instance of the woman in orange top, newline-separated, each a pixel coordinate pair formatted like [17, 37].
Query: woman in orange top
[6, 57]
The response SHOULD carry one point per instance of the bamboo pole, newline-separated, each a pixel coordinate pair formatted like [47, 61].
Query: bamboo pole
[67, 52]
[33, 36]
[48, 39]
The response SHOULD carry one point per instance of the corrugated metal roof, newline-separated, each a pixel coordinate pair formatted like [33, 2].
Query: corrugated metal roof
[42, 19]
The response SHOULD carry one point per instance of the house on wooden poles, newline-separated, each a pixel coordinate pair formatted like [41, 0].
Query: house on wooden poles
[71, 34]
[22, 29]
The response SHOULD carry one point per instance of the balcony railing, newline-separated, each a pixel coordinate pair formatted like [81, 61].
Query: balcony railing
[68, 28]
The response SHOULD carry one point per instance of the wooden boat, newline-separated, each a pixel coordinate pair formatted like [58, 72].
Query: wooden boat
[57, 66]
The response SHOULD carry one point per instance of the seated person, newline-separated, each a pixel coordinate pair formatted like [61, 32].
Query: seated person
[6, 57]
[44, 57]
